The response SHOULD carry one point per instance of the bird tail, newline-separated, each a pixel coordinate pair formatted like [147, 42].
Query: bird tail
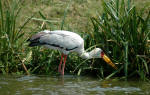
[33, 43]
[34, 40]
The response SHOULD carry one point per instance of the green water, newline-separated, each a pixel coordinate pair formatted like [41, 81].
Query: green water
[69, 85]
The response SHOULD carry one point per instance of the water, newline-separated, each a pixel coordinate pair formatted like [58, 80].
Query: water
[69, 85]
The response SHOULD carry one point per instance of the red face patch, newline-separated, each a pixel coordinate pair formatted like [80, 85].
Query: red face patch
[102, 54]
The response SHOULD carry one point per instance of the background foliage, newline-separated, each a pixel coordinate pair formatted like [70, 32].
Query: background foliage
[120, 28]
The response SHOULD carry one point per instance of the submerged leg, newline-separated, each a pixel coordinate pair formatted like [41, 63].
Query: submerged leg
[65, 57]
[59, 67]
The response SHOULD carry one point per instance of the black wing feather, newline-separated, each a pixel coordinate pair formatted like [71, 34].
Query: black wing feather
[34, 40]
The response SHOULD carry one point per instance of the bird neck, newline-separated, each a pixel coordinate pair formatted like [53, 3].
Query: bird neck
[87, 55]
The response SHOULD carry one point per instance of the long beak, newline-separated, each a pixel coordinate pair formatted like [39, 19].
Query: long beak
[107, 60]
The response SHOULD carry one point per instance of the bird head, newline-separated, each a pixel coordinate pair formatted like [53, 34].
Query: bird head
[98, 53]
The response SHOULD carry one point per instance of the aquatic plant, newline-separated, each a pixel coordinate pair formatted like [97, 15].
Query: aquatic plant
[120, 29]
[11, 37]
[125, 31]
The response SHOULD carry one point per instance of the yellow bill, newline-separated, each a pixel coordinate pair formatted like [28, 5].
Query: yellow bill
[107, 60]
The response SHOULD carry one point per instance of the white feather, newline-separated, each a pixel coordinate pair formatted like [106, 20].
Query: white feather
[66, 42]
[65, 39]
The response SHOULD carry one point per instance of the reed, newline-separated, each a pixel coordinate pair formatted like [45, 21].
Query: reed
[122, 29]
[11, 38]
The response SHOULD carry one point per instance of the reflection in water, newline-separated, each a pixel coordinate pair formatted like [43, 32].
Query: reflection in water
[61, 80]
[68, 85]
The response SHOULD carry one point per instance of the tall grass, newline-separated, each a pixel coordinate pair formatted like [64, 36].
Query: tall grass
[124, 30]
[11, 38]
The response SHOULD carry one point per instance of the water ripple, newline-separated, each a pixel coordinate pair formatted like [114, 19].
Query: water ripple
[117, 88]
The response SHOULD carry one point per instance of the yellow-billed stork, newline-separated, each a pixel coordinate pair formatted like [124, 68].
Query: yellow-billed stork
[66, 42]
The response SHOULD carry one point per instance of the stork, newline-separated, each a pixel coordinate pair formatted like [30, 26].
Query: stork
[66, 42]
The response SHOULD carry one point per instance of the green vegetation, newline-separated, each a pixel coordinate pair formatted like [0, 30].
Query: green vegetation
[121, 29]
[12, 45]
[125, 32]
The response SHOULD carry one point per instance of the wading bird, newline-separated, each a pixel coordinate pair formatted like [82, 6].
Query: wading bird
[66, 42]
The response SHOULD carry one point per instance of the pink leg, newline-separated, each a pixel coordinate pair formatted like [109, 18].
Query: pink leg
[62, 72]
[59, 68]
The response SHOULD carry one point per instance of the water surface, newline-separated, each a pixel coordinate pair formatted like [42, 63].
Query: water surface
[69, 85]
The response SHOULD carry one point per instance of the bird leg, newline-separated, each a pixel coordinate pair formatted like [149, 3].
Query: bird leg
[65, 57]
[59, 68]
